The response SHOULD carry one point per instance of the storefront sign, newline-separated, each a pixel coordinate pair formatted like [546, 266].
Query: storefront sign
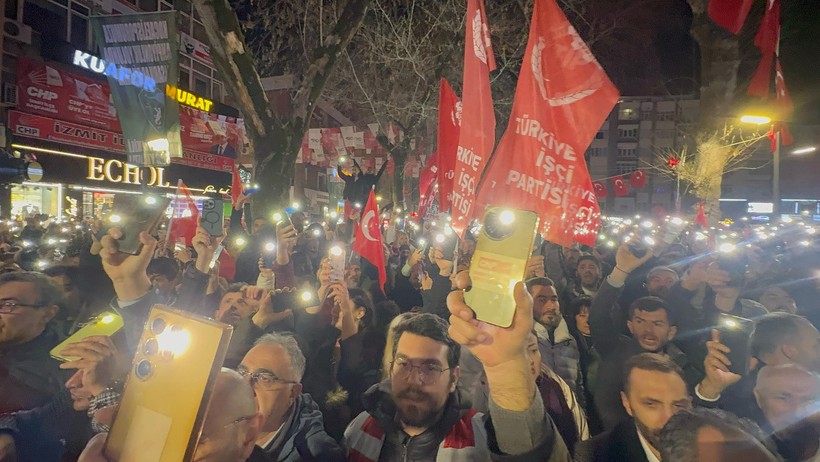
[44, 128]
[188, 98]
[195, 48]
[121, 74]
[116, 171]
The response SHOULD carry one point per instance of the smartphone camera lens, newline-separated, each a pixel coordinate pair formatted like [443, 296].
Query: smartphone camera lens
[158, 326]
[151, 347]
[499, 224]
[208, 204]
[143, 369]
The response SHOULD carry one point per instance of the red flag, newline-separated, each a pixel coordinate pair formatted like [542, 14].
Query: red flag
[429, 173]
[185, 218]
[449, 125]
[638, 179]
[426, 200]
[619, 186]
[236, 186]
[562, 99]
[477, 135]
[783, 100]
[700, 218]
[368, 239]
[730, 14]
[766, 39]
[601, 191]
[227, 266]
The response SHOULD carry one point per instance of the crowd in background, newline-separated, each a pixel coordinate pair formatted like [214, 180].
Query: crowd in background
[615, 352]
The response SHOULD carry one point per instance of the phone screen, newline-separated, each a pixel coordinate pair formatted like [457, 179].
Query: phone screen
[735, 333]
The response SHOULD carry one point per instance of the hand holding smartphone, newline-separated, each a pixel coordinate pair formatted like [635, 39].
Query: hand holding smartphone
[735, 333]
[336, 254]
[134, 214]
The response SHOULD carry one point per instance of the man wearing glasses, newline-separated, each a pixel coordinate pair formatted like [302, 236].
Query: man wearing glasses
[292, 427]
[28, 375]
[417, 413]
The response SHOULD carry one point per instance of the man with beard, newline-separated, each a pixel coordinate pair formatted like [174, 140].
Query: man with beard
[417, 414]
[789, 397]
[559, 349]
[652, 326]
[660, 280]
[587, 279]
[654, 391]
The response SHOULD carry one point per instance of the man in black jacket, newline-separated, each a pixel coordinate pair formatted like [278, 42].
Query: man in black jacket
[29, 377]
[292, 426]
[654, 390]
[652, 325]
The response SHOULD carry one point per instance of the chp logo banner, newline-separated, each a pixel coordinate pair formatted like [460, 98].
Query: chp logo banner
[562, 98]
[144, 45]
[44, 89]
[212, 133]
[44, 128]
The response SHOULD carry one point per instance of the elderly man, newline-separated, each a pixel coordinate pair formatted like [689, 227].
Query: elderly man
[29, 377]
[292, 428]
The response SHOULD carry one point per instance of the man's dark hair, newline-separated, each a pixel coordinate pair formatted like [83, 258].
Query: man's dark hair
[164, 266]
[362, 299]
[591, 258]
[577, 303]
[774, 330]
[679, 437]
[532, 282]
[48, 293]
[650, 362]
[433, 327]
[652, 304]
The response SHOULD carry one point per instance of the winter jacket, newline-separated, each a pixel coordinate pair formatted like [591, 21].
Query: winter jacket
[29, 376]
[561, 354]
[435, 299]
[461, 434]
[302, 438]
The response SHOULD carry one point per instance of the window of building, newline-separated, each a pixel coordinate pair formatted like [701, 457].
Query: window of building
[627, 152]
[646, 115]
[666, 116]
[599, 136]
[626, 167]
[627, 114]
[628, 132]
[665, 133]
[202, 85]
[597, 152]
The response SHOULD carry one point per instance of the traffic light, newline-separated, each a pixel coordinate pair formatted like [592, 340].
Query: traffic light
[13, 169]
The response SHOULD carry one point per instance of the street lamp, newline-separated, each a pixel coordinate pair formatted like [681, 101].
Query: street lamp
[765, 120]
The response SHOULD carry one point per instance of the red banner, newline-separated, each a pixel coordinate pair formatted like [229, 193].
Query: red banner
[449, 124]
[562, 98]
[69, 96]
[211, 133]
[730, 14]
[58, 131]
[477, 134]
[619, 187]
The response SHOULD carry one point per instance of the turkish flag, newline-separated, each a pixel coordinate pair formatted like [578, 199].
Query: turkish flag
[227, 265]
[236, 186]
[619, 186]
[429, 173]
[562, 99]
[700, 218]
[638, 179]
[783, 100]
[730, 14]
[185, 217]
[449, 125]
[601, 191]
[368, 238]
[477, 135]
[766, 39]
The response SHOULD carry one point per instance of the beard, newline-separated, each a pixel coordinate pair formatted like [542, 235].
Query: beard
[661, 292]
[416, 408]
[652, 436]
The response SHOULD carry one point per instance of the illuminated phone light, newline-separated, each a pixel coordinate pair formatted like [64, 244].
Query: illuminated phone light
[610, 244]
[786, 220]
[174, 341]
[296, 206]
[42, 264]
[647, 224]
[336, 251]
[270, 247]
[63, 241]
[676, 221]
[440, 238]
[433, 223]
[334, 215]
[240, 241]
[107, 319]
[727, 247]
[277, 217]
[307, 296]
[805, 243]
[422, 242]
[811, 230]
[115, 218]
[700, 237]
[65, 230]
[398, 210]
[507, 217]
[729, 323]
[150, 200]
[52, 241]
[649, 241]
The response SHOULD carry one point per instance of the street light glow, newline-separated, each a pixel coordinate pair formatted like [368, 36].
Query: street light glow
[756, 119]
[806, 150]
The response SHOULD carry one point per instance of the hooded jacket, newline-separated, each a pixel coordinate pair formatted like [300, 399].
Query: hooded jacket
[302, 438]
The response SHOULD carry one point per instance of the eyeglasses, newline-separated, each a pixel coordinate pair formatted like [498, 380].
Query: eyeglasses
[264, 380]
[202, 438]
[428, 373]
[11, 306]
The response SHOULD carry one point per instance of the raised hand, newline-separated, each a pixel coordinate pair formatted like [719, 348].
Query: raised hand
[718, 376]
[205, 246]
[286, 238]
[99, 360]
[127, 272]
[627, 262]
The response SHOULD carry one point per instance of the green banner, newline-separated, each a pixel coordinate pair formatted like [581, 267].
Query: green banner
[140, 53]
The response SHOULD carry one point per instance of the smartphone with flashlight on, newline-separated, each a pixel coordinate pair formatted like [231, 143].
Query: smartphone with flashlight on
[735, 333]
[446, 243]
[105, 324]
[159, 419]
[504, 246]
[336, 254]
[133, 214]
[282, 219]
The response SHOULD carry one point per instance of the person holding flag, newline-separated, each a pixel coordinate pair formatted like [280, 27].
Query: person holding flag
[368, 238]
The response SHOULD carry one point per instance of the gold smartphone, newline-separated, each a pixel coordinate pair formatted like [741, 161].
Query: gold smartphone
[105, 324]
[499, 262]
[168, 388]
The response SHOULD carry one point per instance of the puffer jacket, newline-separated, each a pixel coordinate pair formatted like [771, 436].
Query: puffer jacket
[561, 355]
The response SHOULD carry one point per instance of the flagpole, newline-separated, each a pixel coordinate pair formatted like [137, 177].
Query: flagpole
[173, 214]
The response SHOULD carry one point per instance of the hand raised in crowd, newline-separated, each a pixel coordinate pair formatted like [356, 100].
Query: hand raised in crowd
[241, 201]
[205, 246]
[345, 309]
[264, 270]
[286, 238]
[445, 267]
[718, 376]
[625, 263]
[535, 267]
[426, 281]
[415, 257]
[502, 351]
[99, 361]
[262, 301]
[127, 272]
[697, 275]
[183, 255]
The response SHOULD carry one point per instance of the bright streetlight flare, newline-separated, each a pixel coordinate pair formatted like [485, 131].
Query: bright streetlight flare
[756, 119]
[806, 150]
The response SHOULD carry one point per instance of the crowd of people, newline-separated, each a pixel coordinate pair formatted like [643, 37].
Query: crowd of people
[615, 353]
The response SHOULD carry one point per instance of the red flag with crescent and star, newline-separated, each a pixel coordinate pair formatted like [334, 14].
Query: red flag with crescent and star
[601, 191]
[368, 239]
[619, 186]
[638, 179]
